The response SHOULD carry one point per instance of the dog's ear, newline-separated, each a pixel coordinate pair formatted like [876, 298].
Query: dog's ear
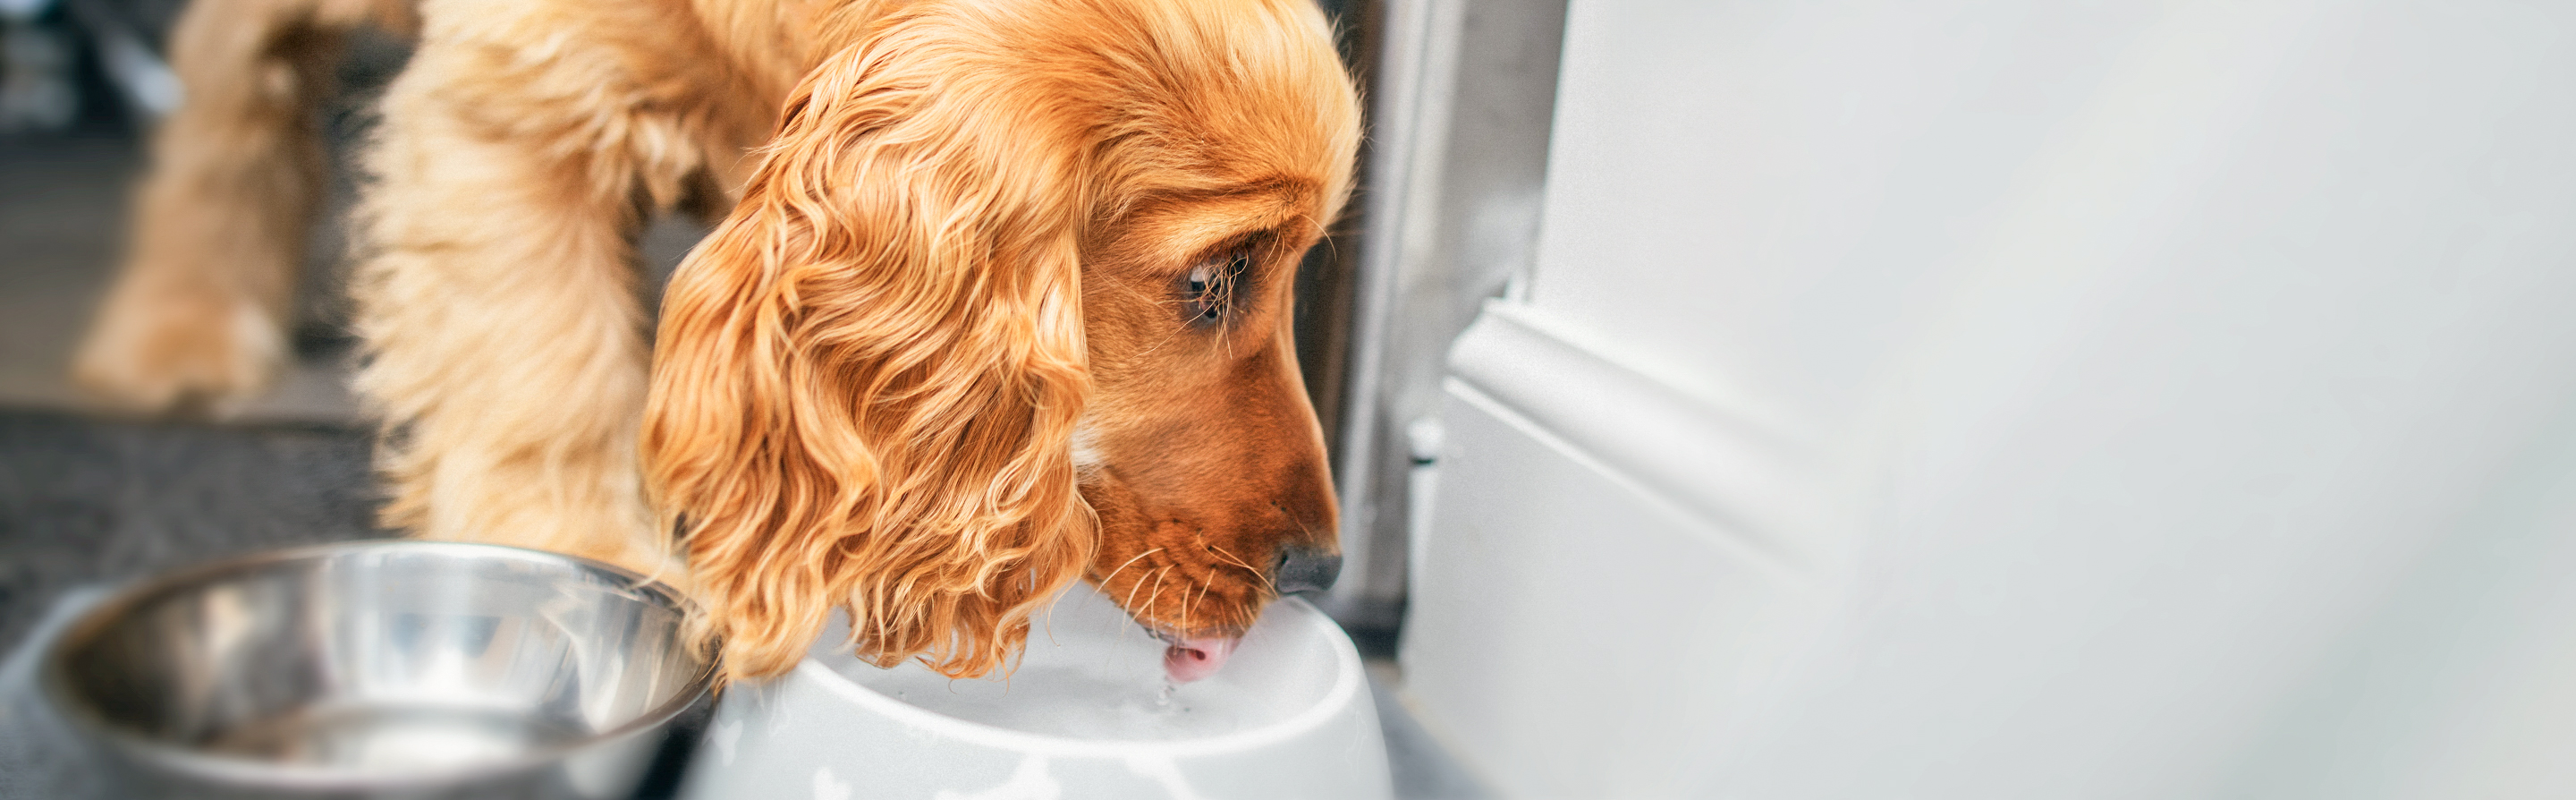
[867, 378]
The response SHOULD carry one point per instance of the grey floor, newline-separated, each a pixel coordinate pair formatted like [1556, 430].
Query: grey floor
[89, 500]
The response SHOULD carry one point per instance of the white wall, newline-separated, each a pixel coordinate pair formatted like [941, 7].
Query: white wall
[1958, 398]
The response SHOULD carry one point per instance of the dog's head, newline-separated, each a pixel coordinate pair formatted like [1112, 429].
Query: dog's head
[1004, 305]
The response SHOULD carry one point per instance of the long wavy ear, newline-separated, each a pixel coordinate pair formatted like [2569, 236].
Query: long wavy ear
[867, 379]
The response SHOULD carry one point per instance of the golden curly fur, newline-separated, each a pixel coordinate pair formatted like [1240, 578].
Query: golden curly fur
[1001, 302]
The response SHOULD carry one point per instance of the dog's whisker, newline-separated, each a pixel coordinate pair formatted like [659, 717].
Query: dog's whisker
[1131, 594]
[1231, 558]
[1326, 239]
[1158, 586]
[1186, 610]
[1113, 574]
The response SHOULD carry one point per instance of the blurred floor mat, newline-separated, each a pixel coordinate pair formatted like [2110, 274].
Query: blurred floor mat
[91, 502]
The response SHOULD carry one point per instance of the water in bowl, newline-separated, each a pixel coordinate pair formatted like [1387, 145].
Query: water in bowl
[1088, 673]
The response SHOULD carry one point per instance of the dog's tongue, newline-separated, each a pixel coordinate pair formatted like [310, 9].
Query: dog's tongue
[1193, 659]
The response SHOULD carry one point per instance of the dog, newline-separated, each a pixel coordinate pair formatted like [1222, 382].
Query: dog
[999, 300]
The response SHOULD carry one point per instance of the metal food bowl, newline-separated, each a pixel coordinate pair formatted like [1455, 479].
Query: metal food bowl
[382, 669]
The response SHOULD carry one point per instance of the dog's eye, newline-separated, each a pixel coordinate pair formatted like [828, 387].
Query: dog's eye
[1208, 292]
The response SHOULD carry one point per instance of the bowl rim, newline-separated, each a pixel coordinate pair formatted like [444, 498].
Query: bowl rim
[53, 677]
[1348, 673]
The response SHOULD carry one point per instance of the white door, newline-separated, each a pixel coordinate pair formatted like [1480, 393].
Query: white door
[2025, 399]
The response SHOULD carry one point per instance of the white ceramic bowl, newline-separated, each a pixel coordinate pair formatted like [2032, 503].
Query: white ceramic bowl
[1084, 716]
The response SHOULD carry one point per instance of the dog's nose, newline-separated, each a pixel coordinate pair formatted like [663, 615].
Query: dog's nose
[1304, 569]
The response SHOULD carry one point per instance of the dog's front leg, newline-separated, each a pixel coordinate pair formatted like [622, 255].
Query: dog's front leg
[498, 302]
[199, 313]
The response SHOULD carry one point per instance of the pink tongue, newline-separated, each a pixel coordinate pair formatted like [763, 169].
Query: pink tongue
[1193, 659]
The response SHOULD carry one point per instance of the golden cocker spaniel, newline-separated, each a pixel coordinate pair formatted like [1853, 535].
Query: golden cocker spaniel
[999, 300]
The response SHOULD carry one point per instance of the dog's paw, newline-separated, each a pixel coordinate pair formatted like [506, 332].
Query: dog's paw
[169, 352]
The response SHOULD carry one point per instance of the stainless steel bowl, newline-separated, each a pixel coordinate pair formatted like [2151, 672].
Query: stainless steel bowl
[381, 669]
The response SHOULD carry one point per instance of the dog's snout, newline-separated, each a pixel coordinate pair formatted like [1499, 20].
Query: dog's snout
[1304, 569]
